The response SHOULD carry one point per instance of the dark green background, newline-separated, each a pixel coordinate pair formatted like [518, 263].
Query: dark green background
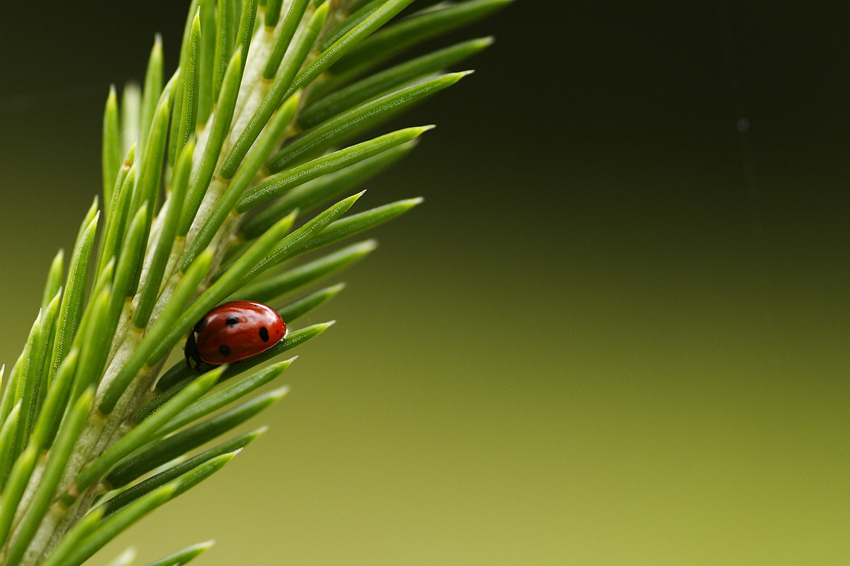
[615, 333]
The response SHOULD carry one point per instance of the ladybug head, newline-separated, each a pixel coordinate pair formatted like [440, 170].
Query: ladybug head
[190, 350]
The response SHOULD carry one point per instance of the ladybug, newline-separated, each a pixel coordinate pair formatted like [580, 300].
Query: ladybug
[232, 332]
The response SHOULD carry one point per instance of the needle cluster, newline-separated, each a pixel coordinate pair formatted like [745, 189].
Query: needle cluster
[210, 183]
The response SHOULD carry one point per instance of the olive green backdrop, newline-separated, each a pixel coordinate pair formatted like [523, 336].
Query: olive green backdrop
[615, 333]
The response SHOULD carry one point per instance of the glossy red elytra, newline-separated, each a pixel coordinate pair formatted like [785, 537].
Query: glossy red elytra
[232, 332]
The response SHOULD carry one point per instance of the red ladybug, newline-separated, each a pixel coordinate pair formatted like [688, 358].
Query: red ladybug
[232, 332]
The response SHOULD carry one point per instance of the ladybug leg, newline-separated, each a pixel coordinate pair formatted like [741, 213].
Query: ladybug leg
[190, 350]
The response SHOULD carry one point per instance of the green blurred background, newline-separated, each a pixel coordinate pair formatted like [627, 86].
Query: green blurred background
[615, 333]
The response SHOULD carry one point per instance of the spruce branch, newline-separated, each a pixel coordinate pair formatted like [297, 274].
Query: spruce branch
[207, 181]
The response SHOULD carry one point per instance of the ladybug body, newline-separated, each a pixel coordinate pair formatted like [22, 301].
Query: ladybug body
[232, 332]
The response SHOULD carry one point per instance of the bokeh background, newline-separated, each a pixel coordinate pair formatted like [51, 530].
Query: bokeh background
[615, 333]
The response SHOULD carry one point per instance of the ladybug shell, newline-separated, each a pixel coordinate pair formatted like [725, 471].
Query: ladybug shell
[236, 331]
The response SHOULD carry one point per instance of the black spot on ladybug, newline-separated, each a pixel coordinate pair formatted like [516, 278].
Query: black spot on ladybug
[201, 324]
[264, 334]
[232, 321]
[224, 350]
